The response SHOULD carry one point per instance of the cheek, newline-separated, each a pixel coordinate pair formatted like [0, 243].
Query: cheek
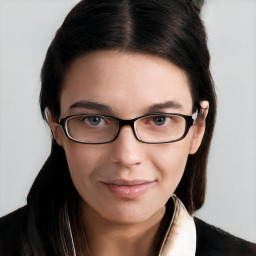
[170, 161]
[82, 160]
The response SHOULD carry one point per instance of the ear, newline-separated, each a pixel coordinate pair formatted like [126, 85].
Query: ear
[199, 127]
[56, 128]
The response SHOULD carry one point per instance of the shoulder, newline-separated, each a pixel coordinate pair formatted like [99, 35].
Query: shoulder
[214, 241]
[11, 228]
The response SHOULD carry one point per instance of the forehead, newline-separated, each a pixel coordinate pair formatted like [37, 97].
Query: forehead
[126, 82]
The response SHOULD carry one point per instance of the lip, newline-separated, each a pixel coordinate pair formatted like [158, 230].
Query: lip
[129, 188]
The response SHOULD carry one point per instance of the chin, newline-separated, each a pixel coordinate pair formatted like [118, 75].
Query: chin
[127, 214]
[127, 219]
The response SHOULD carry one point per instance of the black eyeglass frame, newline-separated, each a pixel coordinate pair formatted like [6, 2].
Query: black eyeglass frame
[122, 122]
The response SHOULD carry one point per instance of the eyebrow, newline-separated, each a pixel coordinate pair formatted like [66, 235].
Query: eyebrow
[107, 109]
[167, 104]
[92, 105]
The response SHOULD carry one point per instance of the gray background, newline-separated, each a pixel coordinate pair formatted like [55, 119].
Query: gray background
[26, 29]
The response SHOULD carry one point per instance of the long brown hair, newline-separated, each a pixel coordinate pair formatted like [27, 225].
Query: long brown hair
[170, 29]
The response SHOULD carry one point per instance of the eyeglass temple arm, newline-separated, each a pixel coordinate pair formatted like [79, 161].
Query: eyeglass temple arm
[196, 111]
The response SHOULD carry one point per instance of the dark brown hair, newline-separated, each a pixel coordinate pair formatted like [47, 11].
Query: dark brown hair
[170, 29]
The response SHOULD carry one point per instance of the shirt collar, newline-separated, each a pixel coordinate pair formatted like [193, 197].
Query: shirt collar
[180, 237]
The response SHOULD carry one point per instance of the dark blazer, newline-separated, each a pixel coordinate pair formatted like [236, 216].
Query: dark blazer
[211, 241]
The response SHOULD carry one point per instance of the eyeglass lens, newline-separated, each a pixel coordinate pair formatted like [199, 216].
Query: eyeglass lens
[100, 129]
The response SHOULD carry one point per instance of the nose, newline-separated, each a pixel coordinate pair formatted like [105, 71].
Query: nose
[127, 150]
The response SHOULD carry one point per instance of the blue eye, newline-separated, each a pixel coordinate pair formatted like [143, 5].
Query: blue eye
[94, 120]
[160, 120]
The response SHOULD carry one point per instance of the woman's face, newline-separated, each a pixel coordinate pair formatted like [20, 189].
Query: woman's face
[126, 181]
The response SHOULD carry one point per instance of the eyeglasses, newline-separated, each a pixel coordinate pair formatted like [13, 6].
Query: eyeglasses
[152, 128]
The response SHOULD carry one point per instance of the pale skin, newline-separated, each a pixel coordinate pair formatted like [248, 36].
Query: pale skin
[128, 84]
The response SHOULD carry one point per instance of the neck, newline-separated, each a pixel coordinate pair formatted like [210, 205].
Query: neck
[108, 238]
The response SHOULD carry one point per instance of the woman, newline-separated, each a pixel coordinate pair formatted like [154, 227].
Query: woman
[128, 95]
